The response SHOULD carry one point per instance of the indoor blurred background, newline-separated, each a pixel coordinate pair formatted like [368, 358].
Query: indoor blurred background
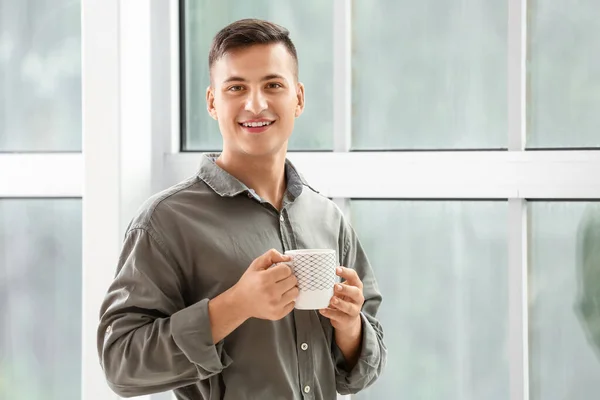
[461, 138]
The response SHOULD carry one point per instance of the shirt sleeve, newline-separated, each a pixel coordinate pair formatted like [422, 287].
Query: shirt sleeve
[148, 340]
[373, 351]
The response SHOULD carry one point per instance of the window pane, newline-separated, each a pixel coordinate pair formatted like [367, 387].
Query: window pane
[564, 74]
[40, 75]
[40, 299]
[429, 74]
[564, 300]
[310, 26]
[442, 269]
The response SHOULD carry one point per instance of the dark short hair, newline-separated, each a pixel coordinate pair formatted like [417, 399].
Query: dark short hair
[248, 32]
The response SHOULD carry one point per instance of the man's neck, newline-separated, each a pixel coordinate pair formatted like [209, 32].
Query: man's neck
[265, 175]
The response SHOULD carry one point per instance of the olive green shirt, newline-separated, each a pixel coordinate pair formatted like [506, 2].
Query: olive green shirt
[193, 241]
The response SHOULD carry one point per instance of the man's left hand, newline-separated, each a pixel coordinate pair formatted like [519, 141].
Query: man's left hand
[346, 303]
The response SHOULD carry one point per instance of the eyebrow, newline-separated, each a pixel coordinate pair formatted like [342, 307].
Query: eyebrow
[265, 78]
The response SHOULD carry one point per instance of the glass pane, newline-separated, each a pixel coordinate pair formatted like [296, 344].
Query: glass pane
[429, 74]
[564, 74]
[442, 269]
[310, 26]
[564, 300]
[40, 299]
[40, 75]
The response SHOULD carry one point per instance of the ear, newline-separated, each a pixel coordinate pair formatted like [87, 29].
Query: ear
[210, 102]
[300, 96]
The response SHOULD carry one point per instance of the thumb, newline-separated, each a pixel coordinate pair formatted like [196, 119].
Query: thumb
[268, 259]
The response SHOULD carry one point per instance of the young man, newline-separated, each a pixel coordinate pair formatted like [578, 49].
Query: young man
[201, 303]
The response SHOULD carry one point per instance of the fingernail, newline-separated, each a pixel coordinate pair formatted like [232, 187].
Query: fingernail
[335, 300]
[338, 288]
[339, 270]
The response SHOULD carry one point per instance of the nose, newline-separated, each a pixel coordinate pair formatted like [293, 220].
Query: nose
[256, 102]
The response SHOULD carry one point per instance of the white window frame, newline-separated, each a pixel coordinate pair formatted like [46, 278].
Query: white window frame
[131, 150]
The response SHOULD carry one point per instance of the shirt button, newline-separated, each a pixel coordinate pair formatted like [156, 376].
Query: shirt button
[304, 346]
[306, 389]
[281, 217]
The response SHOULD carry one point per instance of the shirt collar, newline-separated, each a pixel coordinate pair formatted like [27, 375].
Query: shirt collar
[226, 185]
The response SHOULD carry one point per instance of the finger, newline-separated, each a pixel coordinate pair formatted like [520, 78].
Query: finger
[290, 296]
[346, 307]
[349, 275]
[352, 293]
[268, 259]
[288, 308]
[279, 272]
[335, 315]
[286, 284]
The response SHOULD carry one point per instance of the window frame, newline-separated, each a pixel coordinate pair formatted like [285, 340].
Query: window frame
[132, 149]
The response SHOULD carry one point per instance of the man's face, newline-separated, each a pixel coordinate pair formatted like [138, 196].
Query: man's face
[255, 98]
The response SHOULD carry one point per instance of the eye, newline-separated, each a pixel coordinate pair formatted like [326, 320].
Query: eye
[235, 88]
[274, 85]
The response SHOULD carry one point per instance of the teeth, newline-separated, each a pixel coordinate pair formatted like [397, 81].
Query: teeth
[256, 124]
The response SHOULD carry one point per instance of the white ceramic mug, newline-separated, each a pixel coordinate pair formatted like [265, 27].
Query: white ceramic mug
[315, 271]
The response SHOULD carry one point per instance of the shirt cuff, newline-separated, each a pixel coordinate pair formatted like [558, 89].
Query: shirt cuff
[363, 373]
[191, 331]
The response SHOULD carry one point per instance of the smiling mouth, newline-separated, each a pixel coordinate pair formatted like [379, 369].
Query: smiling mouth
[256, 124]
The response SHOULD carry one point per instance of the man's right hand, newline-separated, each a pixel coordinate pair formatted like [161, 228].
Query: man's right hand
[268, 289]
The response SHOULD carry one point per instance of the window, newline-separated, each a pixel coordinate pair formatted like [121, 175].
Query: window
[564, 74]
[442, 268]
[40, 76]
[40, 200]
[564, 297]
[40, 299]
[412, 86]
[429, 74]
